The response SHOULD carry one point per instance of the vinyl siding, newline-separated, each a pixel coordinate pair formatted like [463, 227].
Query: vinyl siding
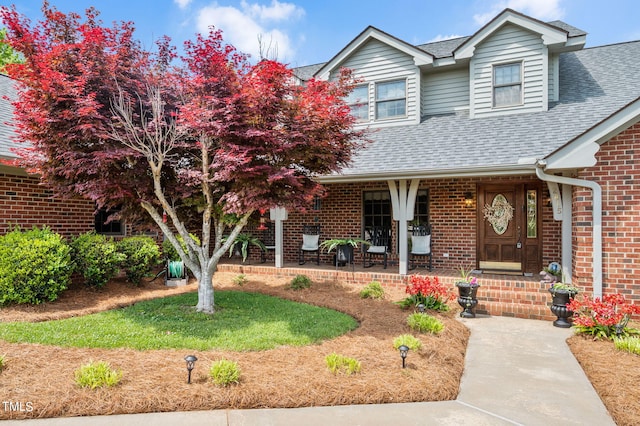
[378, 62]
[445, 92]
[510, 44]
[554, 74]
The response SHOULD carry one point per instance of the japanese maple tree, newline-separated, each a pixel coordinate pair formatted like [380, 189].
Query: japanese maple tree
[206, 141]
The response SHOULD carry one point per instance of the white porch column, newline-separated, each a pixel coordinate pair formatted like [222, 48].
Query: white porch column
[279, 215]
[403, 203]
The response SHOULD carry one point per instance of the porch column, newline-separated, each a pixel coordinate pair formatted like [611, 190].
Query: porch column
[279, 215]
[403, 203]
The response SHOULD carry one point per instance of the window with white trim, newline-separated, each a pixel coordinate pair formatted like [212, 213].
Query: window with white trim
[391, 99]
[358, 101]
[507, 85]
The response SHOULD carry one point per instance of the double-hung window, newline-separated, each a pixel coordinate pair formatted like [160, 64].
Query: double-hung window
[391, 99]
[358, 101]
[507, 85]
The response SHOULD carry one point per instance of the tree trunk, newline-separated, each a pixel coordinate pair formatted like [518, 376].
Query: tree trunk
[205, 292]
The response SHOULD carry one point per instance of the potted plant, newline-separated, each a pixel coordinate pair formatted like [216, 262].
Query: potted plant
[344, 248]
[562, 294]
[240, 246]
[467, 292]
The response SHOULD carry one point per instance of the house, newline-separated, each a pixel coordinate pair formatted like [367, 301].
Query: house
[517, 145]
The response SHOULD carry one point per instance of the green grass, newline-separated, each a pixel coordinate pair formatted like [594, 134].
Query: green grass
[242, 322]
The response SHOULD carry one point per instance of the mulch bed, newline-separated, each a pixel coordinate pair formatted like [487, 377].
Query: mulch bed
[41, 377]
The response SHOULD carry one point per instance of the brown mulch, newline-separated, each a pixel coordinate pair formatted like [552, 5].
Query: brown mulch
[41, 377]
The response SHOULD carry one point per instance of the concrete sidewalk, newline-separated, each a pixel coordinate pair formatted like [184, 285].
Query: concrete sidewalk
[517, 372]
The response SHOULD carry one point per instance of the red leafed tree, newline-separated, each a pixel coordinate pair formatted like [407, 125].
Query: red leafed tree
[207, 141]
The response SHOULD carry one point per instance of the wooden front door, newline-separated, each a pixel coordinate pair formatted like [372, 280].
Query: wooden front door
[509, 228]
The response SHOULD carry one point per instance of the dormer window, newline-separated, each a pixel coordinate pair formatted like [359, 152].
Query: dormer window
[391, 99]
[507, 85]
[358, 101]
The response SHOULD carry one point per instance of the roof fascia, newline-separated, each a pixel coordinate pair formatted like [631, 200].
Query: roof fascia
[420, 57]
[581, 151]
[551, 36]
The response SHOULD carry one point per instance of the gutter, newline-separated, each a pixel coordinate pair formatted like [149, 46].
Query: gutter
[597, 220]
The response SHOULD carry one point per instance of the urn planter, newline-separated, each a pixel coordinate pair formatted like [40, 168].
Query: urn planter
[467, 299]
[344, 255]
[560, 298]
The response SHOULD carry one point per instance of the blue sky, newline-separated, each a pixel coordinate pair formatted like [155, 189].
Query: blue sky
[306, 32]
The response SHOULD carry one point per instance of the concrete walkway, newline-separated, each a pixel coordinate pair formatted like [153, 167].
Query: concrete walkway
[518, 372]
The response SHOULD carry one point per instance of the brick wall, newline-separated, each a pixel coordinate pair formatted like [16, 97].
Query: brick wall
[618, 173]
[24, 202]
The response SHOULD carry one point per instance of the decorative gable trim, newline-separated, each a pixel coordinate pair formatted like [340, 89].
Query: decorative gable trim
[552, 36]
[420, 57]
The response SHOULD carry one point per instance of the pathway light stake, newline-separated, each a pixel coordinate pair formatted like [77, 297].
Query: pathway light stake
[421, 308]
[404, 349]
[191, 362]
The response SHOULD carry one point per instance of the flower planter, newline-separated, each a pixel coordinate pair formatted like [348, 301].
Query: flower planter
[344, 255]
[467, 298]
[559, 307]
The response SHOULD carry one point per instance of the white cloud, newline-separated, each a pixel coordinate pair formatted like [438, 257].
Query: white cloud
[441, 37]
[251, 25]
[544, 10]
[182, 3]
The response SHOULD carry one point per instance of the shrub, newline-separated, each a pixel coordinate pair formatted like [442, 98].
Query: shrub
[336, 363]
[629, 344]
[170, 252]
[373, 290]
[142, 254]
[96, 258]
[300, 282]
[602, 318]
[35, 266]
[97, 374]
[408, 340]
[425, 323]
[240, 280]
[426, 290]
[224, 372]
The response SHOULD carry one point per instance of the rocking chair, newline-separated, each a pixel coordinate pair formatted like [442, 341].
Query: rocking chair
[379, 237]
[310, 243]
[420, 245]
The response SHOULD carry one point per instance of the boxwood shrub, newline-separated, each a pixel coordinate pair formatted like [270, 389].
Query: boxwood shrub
[142, 254]
[35, 266]
[96, 258]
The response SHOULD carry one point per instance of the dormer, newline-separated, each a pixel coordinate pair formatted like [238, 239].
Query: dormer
[513, 63]
[390, 70]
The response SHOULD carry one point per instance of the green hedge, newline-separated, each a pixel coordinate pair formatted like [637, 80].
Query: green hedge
[142, 254]
[35, 266]
[96, 258]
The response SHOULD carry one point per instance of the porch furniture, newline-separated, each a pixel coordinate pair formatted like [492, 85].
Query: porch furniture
[380, 238]
[310, 242]
[268, 238]
[420, 245]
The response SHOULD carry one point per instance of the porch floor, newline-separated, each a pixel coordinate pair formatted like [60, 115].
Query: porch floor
[499, 295]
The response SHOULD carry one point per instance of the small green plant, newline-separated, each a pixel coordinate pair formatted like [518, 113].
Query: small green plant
[373, 290]
[300, 281]
[628, 344]
[336, 363]
[97, 374]
[224, 372]
[425, 323]
[142, 254]
[408, 340]
[330, 245]
[240, 280]
[96, 257]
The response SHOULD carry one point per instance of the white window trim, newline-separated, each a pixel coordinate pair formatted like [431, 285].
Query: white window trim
[375, 99]
[494, 85]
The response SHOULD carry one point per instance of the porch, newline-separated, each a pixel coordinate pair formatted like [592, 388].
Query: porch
[499, 295]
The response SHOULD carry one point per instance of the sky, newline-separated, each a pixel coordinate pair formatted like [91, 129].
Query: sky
[306, 32]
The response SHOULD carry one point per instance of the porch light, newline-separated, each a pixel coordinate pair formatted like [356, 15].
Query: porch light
[468, 199]
[404, 350]
[191, 362]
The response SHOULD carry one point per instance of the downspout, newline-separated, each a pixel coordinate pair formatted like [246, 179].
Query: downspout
[597, 219]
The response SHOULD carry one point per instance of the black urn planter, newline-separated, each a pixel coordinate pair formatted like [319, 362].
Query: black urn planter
[559, 307]
[344, 255]
[467, 298]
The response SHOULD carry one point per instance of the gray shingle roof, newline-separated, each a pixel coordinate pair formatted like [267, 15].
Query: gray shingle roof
[594, 83]
[7, 90]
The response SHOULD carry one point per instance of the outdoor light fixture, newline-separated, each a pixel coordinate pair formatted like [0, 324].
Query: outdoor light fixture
[468, 199]
[421, 308]
[404, 349]
[191, 362]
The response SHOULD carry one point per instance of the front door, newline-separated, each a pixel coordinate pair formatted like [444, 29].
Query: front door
[509, 228]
